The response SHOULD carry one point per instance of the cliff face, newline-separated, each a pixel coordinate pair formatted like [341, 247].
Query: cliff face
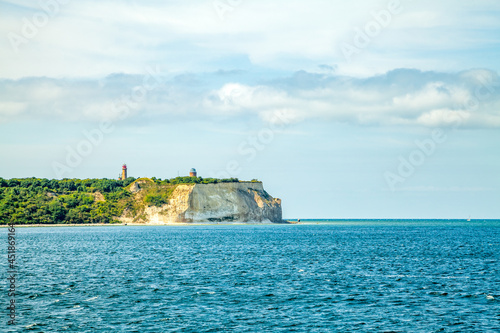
[245, 202]
[221, 202]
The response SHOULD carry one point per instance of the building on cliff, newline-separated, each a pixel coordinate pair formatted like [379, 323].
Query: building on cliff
[192, 172]
[123, 176]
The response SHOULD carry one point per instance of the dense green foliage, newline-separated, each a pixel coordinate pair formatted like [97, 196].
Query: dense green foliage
[196, 180]
[44, 201]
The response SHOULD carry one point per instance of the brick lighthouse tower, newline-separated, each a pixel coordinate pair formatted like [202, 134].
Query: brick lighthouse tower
[192, 172]
[124, 172]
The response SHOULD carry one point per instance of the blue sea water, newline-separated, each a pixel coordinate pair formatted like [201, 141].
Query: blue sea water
[323, 276]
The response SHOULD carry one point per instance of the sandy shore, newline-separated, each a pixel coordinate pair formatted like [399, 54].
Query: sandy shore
[136, 224]
[64, 225]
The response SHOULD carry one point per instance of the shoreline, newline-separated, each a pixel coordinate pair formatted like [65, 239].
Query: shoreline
[140, 224]
[351, 222]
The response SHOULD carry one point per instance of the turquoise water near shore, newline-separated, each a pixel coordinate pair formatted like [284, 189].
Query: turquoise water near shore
[404, 222]
[320, 276]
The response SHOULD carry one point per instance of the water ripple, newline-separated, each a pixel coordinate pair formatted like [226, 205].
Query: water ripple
[307, 278]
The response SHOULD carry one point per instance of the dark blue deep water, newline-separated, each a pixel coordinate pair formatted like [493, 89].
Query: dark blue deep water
[345, 277]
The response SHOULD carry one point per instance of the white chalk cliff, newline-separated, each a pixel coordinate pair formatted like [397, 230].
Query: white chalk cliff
[221, 202]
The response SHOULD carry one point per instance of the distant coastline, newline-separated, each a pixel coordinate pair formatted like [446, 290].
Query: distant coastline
[129, 200]
[176, 224]
[291, 222]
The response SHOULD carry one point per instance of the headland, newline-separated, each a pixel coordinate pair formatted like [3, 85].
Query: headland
[142, 201]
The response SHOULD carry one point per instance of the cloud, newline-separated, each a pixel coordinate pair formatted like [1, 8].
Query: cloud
[95, 38]
[399, 97]
[444, 189]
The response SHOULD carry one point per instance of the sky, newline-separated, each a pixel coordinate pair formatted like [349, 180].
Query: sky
[365, 109]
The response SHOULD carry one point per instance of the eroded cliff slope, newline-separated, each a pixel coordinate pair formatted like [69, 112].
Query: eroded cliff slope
[222, 202]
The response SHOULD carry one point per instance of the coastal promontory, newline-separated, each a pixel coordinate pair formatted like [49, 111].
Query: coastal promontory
[136, 201]
[219, 202]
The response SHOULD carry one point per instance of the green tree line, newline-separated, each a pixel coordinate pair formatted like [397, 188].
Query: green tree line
[44, 201]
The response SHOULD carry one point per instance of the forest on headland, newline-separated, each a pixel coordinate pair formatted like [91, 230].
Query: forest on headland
[82, 201]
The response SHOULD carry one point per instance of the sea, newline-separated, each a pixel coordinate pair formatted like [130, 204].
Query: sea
[316, 276]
